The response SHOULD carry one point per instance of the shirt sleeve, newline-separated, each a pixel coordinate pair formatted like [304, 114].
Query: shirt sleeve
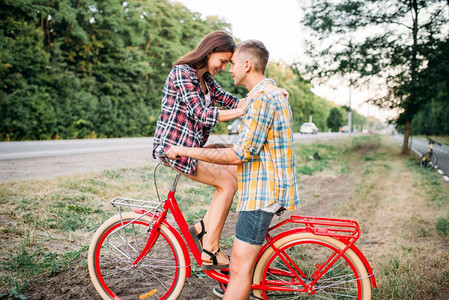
[188, 88]
[254, 129]
[224, 98]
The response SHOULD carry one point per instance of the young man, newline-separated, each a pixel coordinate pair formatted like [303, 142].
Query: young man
[264, 154]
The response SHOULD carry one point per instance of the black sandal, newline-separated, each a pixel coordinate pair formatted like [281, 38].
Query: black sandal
[206, 266]
[198, 237]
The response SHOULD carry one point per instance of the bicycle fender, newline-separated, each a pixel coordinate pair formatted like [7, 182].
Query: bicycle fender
[304, 230]
[366, 263]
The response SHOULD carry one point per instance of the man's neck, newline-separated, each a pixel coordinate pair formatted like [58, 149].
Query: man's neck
[252, 81]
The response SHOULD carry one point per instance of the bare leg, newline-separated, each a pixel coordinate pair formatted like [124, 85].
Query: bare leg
[224, 180]
[243, 256]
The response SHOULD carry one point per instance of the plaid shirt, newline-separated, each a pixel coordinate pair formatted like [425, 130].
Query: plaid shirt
[265, 144]
[185, 119]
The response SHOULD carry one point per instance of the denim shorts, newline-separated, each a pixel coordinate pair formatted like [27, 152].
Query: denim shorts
[252, 226]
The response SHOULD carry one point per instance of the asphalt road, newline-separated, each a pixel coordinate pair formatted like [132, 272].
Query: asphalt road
[43, 159]
[29, 149]
[422, 146]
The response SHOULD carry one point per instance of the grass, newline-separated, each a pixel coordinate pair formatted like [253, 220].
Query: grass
[46, 225]
[444, 140]
[404, 211]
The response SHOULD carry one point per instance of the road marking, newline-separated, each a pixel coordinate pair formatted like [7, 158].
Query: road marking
[446, 178]
[440, 171]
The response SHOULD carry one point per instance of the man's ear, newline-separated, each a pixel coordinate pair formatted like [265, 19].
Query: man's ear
[248, 65]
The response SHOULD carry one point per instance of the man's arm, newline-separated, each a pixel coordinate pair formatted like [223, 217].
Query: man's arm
[221, 156]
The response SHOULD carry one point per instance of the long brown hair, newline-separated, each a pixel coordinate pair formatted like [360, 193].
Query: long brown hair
[217, 41]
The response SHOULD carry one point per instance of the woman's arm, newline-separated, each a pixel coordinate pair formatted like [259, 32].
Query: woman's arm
[230, 114]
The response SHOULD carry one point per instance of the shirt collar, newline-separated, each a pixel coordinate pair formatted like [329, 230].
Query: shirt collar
[261, 84]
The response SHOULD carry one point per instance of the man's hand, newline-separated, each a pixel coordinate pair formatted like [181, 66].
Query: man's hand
[173, 152]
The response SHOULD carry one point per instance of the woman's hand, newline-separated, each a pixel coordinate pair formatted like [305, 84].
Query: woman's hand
[173, 152]
[285, 92]
[231, 114]
[243, 104]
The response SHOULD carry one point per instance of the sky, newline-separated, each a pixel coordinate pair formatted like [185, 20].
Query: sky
[276, 23]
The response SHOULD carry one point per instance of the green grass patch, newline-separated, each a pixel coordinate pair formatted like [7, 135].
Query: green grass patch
[435, 190]
[442, 226]
[314, 157]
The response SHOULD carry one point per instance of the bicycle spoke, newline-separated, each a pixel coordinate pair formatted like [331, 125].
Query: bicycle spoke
[339, 281]
[157, 276]
[157, 271]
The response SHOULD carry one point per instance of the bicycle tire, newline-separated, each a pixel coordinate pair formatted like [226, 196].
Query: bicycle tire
[113, 250]
[428, 160]
[347, 278]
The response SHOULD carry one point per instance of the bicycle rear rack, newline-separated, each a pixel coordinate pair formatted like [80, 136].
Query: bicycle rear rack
[130, 203]
[337, 228]
[142, 207]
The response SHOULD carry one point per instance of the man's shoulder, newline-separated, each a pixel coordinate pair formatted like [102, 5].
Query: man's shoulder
[270, 92]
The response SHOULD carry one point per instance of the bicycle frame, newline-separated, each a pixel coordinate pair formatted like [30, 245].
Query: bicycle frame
[345, 231]
[170, 204]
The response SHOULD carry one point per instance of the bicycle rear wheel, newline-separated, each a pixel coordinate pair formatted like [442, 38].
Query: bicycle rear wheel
[428, 160]
[113, 249]
[346, 279]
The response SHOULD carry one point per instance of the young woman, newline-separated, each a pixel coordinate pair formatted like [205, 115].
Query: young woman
[187, 118]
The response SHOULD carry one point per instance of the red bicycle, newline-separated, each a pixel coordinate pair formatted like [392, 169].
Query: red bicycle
[139, 254]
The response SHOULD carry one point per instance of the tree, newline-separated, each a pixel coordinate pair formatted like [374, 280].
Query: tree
[361, 39]
[434, 81]
[302, 101]
[335, 119]
[91, 68]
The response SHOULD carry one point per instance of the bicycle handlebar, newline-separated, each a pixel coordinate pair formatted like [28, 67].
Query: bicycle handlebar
[432, 141]
[159, 152]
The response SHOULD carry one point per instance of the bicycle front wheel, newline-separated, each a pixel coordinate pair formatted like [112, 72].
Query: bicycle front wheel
[115, 246]
[346, 279]
[428, 160]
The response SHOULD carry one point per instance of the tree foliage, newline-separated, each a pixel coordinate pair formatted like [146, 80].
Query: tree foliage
[390, 39]
[434, 82]
[96, 68]
[75, 69]
[335, 119]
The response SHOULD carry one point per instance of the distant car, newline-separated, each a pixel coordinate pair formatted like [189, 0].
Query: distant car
[308, 128]
[345, 129]
[234, 127]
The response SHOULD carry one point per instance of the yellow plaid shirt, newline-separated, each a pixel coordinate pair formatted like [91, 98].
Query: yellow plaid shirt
[265, 144]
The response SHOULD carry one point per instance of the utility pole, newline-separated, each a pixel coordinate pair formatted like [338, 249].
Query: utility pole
[349, 108]
[367, 117]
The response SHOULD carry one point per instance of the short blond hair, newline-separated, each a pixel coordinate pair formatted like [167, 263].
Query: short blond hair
[257, 51]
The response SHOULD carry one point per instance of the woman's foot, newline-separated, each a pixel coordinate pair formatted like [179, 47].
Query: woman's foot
[197, 232]
[214, 260]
